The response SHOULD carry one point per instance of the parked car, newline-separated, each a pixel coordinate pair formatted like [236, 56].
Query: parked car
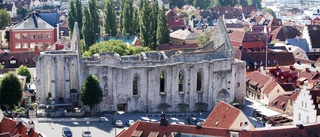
[130, 122]
[201, 120]
[118, 123]
[66, 132]
[86, 134]
[191, 121]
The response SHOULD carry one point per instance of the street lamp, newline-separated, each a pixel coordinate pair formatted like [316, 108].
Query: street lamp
[45, 113]
[88, 122]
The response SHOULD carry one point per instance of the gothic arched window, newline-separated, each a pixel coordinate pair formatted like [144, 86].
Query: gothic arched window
[199, 80]
[181, 78]
[162, 81]
[135, 89]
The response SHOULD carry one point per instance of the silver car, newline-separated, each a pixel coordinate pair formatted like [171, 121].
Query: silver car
[130, 122]
[86, 134]
[118, 123]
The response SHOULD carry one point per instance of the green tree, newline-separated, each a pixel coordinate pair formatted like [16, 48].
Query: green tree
[91, 93]
[270, 11]
[225, 2]
[75, 15]
[91, 26]
[7, 36]
[256, 3]
[4, 18]
[110, 19]
[114, 46]
[22, 12]
[126, 16]
[178, 3]
[145, 23]
[204, 39]
[163, 32]
[135, 22]
[154, 24]
[203, 4]
[243, 2]
[10, 90]
[24, 71]
[78, 16]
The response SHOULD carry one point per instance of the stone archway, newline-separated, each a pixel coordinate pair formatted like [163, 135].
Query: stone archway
[223, 95]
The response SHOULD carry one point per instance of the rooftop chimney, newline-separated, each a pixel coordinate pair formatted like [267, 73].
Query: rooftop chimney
[163, 120]
[245, 126]
[307, 69]
[36, 49]
[291, 67]
[198, 125]
[313, 65]
[240, 47]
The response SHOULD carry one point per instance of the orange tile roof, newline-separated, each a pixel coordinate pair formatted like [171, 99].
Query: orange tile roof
[9, 125]
[258, 78]
[279, 103]
[270, 87]
[222, 116]
[151, 127]
[294, 95]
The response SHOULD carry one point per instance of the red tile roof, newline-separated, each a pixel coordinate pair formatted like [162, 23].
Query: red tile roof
[148, 128]
[279, 103]
[270, 87]
[258, 78]
[294, 95]
[284, 32]
[9, 125]
[222, 116]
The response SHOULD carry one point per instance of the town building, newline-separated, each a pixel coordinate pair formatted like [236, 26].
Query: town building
[141, 82]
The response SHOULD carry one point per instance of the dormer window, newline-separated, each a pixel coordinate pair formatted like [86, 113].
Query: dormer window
[13, 61]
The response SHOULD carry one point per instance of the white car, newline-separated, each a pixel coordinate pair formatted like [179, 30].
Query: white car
[130, 122]
[118, 123]
[86, 134]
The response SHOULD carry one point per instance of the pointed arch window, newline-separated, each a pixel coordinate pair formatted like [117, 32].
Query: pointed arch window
[181, 79]
[135, 89]
[162, 82]
[199, 80]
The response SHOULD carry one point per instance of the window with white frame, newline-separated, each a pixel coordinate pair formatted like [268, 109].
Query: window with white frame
[13, 61]
[24, 36]
[17, 36]
[25, 45]
[18, 45]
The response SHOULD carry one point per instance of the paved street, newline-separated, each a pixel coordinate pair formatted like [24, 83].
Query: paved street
[51, 127]
[97, 128]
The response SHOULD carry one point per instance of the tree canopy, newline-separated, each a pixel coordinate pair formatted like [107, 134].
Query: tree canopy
[163, 32]
[91, 26]
[10, 90]
[91, 93]
[114, 46]
[270, 11]
[24, 71]
[110, 19]
[4, 18]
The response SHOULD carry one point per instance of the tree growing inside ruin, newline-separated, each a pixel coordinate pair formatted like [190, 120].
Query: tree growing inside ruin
[10, 90]
[114, 46]
[4, 18]
[163, 32]
[110, 19]
[24, 71]
[91, 93]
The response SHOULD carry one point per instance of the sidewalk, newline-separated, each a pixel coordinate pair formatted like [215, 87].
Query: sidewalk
[91, 119]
